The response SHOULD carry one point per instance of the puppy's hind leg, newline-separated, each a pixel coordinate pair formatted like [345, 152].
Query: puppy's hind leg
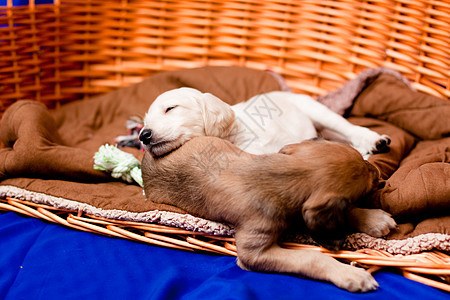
[364, 140]
[258, 251]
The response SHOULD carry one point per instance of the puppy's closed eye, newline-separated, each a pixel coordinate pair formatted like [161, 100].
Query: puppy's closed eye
[170, 108]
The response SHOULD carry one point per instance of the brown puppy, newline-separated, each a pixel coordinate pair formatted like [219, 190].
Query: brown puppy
[262, 195]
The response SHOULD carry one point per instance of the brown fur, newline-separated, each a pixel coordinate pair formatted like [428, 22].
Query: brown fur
[262, 195]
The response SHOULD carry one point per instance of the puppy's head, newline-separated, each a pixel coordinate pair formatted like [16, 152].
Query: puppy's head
[177, 116]
[336, 166]
[338, 177]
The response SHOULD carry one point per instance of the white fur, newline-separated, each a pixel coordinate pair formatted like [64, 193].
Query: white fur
[262, 124]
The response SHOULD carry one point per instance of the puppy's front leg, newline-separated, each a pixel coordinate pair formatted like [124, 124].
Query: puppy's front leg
[258, 251]
[375, 222]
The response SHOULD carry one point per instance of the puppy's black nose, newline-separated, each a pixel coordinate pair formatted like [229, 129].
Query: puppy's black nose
[145, 136]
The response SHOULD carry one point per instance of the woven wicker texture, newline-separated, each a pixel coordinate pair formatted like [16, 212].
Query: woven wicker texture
[56, 53]
[71, 49]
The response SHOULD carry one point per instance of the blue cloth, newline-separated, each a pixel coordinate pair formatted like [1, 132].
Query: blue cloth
[25, 2]
[39, 260]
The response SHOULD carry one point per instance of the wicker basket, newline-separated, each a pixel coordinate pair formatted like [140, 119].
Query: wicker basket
[56, 53]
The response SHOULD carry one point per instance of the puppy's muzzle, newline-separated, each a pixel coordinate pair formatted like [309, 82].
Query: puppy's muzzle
[145, 136]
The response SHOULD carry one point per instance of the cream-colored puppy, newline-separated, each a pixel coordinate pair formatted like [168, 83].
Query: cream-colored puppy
[263, 124]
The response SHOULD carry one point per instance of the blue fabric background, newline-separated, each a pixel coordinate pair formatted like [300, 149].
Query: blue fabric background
[39, 260]
[24, 2]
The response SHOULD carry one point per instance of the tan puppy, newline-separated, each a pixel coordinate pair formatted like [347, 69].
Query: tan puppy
[262, 195]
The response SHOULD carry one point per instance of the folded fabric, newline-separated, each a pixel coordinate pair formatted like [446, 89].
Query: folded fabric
[419, 189]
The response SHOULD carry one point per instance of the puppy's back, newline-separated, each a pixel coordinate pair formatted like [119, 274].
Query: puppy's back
[212, 178]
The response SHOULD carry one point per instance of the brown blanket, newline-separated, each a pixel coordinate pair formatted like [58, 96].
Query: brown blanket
[48, 156]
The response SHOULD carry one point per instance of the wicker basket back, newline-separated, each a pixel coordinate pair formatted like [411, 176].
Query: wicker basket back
[73, 49]
[56, 53]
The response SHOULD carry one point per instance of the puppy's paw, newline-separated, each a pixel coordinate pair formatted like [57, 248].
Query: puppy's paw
[374, 222]
[368, 142]
[354, 279]
[382, 145]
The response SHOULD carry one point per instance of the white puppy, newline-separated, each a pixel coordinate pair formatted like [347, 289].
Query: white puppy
[263, 124]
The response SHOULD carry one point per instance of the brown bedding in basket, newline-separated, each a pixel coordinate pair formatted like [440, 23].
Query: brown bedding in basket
[48, 155]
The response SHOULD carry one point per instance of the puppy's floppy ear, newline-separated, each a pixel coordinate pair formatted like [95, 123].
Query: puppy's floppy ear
[217, 115]
[326, 220]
